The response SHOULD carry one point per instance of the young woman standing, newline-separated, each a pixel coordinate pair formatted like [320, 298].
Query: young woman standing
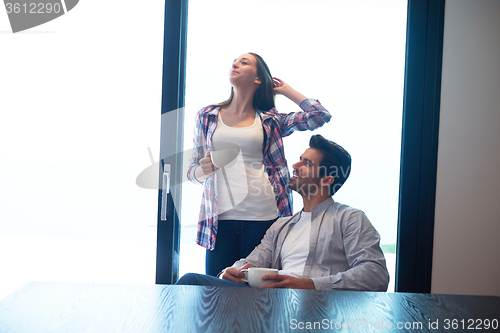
[248, 120]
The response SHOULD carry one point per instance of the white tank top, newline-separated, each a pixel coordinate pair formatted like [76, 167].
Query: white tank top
[244, 192]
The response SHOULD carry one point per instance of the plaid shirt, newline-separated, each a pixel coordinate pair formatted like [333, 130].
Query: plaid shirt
[276, 126]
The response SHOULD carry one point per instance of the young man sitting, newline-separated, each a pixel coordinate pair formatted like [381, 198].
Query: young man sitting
[325, 246]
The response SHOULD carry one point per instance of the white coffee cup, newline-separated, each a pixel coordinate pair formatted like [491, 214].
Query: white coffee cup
[221, 158]
[253, 276]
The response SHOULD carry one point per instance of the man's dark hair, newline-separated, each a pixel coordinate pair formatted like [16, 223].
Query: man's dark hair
[336, 161]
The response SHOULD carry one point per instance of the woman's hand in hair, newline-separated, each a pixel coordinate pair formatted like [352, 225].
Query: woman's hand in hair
[282, 88]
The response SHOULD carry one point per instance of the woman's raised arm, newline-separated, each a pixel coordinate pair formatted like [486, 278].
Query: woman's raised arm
[282, 88]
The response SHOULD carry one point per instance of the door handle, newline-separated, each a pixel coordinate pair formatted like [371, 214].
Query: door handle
[165, 190]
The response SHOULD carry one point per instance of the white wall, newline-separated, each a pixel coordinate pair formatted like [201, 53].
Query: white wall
[467, 226]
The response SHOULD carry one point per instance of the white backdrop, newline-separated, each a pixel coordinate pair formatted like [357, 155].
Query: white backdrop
[80, 101]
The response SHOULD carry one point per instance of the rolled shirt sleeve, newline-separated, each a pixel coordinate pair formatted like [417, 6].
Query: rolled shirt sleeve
[312, 116]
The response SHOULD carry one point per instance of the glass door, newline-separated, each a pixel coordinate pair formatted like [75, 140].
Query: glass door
[348, 54]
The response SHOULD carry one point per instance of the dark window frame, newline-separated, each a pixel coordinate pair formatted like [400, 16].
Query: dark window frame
[173, 102]
[419, 145]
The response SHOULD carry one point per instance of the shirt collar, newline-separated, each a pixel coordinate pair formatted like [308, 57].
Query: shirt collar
[314, 211]
[322, 206]
[267, 114]
[212, 110]
[296, 217]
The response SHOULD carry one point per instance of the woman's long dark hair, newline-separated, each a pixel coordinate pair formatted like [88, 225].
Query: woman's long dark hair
[263, 98]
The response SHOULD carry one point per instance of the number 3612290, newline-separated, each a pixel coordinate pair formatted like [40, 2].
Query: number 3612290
[33, 8]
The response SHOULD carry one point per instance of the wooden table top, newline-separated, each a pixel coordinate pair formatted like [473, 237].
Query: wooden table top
[84, 307]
